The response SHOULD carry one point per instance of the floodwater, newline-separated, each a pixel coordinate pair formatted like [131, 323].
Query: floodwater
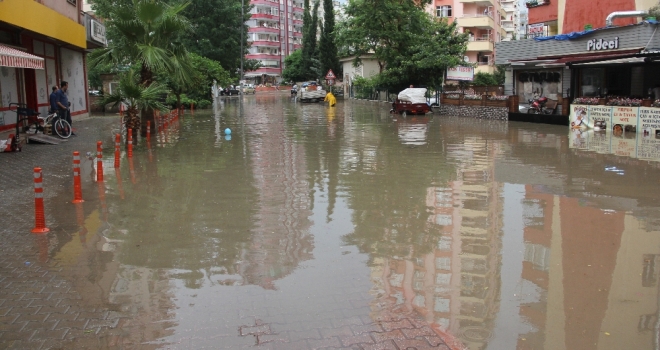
[309, 220]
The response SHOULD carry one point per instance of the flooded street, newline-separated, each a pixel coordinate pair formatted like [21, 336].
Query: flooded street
[347, 227]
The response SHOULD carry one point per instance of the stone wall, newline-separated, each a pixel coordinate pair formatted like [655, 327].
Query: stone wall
[492, 113]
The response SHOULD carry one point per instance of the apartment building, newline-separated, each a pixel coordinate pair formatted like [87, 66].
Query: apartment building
[41, 44]
[275, 31]
[482, 20]
[511, 20]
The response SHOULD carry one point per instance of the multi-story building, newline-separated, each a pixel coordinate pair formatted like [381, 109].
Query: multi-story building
[41, 44]
[511, 19]
[275, 31]
[550, 17]
[482, 20]
[522, 24]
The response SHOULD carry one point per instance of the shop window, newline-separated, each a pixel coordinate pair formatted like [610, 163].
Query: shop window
[592, 81]
[443, 11]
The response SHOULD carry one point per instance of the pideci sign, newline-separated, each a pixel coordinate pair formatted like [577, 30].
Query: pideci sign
[600, 44]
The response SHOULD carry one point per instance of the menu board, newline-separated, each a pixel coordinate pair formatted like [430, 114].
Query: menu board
[624, 120]
[600, 117]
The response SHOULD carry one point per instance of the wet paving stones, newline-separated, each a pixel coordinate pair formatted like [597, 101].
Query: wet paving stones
[45, 302]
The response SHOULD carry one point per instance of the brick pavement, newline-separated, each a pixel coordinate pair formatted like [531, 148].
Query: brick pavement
[48, 302]
[40, 306]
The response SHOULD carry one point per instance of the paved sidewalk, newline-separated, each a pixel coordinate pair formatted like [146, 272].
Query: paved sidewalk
[39, 304]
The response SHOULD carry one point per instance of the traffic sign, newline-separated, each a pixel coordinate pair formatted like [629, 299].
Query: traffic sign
[330, 81]
[330, 75]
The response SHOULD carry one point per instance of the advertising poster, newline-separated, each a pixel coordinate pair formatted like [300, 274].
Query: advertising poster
[578, 139]
[648, 137]
[600, 117]
[579, 117]
[649, 121]
[600, 141]
[624, 121]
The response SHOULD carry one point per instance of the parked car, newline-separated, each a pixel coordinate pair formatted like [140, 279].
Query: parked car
[249, 89]
[229, 91]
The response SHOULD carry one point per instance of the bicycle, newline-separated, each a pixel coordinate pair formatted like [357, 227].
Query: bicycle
[36, 123]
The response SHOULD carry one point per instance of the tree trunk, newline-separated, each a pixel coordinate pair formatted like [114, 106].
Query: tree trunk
[146, 78]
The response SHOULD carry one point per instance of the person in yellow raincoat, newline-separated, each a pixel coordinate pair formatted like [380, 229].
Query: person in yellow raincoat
[330, 98]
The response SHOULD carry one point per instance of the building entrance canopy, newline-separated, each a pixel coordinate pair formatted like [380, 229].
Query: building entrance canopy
[11, 57]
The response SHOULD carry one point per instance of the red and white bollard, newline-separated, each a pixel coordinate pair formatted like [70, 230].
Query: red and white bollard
[39, 215]
[130, 143]
[77, 187]
[99, 161]
[117, 149]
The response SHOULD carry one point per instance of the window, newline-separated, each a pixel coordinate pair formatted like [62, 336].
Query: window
[443, 11]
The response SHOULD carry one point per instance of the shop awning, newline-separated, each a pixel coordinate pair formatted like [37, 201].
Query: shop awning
[582, 58]
[11, 57]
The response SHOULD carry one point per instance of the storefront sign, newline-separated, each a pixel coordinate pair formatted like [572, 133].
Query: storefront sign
[600, 44]
[534, 30]
[460, 73]
[97, 31]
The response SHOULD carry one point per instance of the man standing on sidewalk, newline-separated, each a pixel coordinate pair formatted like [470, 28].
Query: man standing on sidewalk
[63, 103]
[53, 100]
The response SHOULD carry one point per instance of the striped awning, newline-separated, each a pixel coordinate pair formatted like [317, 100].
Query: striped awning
[10, 57]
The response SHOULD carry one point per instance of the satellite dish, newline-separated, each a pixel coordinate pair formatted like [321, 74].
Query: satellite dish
[466, 58]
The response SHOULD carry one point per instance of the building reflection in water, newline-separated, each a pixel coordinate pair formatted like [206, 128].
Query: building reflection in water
[523, 266]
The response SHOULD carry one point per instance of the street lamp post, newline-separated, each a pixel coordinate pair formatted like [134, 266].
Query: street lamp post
[240, 83]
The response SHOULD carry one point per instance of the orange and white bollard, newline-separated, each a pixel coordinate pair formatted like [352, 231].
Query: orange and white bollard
[77, 187]
[39, 215]
[130, 143]
[117, 149]
[99, 161]
[148, 130]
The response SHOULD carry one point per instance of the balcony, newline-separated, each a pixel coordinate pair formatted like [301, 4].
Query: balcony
[476, 21]
[275, 4]
[298, 22]
[297, 34]
[268, 43]
[263, 30]
[480, 45]
[536, 3]
[265, 16]
[262, 56]
[298, 10]
[485, 68]
[484, 3]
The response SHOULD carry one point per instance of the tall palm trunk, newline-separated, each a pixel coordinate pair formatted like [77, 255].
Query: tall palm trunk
[147, 77]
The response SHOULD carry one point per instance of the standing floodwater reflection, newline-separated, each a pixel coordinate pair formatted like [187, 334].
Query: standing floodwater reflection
[315, 225]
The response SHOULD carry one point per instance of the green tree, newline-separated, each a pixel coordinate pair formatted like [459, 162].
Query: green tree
[309, 61]
[216, 32]
[411, 47]
[293, 69]
[484, 79]
[136, 96]
[146, 36]
[327, 46]
[204, 72]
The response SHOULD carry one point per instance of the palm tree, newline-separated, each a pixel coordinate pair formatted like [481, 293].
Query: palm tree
[138, 97]
[145, 37]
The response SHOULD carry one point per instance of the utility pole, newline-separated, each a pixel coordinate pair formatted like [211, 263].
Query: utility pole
[240, 83]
